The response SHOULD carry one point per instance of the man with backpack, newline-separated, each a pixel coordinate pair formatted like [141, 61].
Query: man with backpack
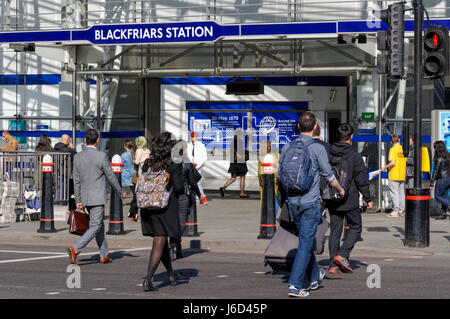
[351, 172]
[301, 164]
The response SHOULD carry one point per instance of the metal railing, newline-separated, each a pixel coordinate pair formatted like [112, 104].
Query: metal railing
[24, 168]
[74, 14]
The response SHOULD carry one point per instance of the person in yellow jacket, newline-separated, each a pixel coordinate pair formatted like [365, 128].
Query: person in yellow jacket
[397, 176]
[264, 149]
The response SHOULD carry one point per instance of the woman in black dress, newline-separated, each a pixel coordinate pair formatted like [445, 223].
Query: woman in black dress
[238, 166]
[163, 223]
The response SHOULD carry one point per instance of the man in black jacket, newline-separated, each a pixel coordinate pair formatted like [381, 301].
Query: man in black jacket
[66, 147]
[348, 207]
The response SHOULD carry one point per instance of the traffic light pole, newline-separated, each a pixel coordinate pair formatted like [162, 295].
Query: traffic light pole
[417, 218]
[418, 75]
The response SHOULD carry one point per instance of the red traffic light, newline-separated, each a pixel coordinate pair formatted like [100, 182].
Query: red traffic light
[433, 40]
[436, 55]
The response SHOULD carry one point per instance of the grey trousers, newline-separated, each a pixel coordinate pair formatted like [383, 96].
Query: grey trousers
[96, 230]
[397, 190]
[410, 182]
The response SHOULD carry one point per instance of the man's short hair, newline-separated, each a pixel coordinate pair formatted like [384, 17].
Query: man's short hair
[91, 136]
[395, 138]
[344, 132]
[307, 121]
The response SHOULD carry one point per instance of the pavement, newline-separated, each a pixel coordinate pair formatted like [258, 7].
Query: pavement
[232, 224]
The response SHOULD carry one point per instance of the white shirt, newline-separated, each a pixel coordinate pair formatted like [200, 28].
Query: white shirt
[200, 154]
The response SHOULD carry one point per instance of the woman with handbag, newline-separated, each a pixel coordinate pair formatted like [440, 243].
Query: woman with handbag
[238, 166]
[128, 173]
[142, 153]
[162, 223]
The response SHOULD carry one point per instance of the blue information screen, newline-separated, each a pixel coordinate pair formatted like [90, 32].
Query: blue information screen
[216, 130]
[280, 128]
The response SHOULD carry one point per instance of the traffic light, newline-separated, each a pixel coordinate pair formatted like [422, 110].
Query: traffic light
[436, 51]
[392, 41]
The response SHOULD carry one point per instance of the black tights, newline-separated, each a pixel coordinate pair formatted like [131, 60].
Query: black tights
[160, 252]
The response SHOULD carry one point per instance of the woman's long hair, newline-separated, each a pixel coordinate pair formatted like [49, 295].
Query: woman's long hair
[129, 144]
[440, 150]
[45, 144]
[160, 156]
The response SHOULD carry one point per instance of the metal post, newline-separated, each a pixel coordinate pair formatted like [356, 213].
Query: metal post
[418, 74]
[381, 101]
[74, 105]
[99, 103]
[417, 219]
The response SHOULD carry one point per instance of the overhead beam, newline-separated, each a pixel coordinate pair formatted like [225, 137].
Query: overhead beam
[255, 48]
[182, 54]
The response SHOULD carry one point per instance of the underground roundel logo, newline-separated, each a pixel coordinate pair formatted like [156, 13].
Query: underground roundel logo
[267, 125]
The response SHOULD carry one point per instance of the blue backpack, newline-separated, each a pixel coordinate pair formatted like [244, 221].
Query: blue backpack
[295, 168]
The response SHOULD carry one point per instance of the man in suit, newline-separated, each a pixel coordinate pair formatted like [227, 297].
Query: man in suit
[90, 168]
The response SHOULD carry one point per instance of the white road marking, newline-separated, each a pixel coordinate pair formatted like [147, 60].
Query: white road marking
[62, 255]
[99, 289]
[53, 293]
[31, 252]
[389, 259]
[222, 276]
[259, 272]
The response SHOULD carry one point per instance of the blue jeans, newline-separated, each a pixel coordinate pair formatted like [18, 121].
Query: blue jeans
[441, 191]
[305, 267]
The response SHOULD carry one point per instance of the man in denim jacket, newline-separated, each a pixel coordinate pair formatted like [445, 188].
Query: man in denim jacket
[305, 211]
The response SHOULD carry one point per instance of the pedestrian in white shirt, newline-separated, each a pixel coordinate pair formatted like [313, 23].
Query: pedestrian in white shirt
[196, 152]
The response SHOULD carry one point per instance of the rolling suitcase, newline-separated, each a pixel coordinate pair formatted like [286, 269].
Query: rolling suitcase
[282, 248]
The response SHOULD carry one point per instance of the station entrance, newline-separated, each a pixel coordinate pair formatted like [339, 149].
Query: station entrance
[127, 88]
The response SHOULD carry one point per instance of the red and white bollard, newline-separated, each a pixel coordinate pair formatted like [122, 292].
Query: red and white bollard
[115, 208]
[47, 224]
[268, 223]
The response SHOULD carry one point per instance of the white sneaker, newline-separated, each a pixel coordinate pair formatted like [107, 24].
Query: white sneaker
[298, 293]
[315, 284]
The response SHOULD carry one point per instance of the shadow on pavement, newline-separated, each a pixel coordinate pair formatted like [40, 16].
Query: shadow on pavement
[188, 252]
[115, 255]
[185, 276]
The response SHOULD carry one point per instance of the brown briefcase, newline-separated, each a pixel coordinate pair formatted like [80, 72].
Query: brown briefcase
[78, 222]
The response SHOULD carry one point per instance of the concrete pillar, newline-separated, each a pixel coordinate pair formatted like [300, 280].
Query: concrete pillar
[152, 107]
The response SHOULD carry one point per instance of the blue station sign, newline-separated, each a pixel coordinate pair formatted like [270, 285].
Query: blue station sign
[208, 31]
